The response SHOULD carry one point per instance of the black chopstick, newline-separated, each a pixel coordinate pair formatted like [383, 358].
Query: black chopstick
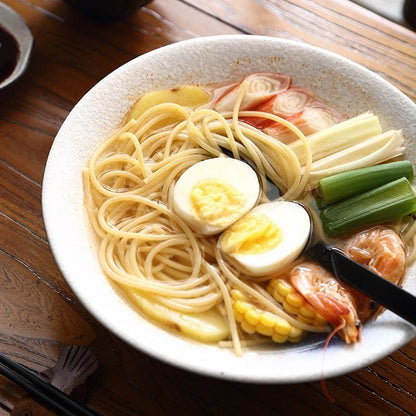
[43, 391]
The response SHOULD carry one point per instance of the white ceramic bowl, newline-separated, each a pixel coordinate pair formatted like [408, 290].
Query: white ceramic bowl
[345, 85]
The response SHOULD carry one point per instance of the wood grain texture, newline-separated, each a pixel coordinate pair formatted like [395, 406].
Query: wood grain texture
[40, 314]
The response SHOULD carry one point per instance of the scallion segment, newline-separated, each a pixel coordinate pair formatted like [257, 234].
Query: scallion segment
[385, 203]
[346, 184]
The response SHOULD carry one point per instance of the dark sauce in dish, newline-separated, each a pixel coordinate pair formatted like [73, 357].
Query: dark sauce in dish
[9, 53]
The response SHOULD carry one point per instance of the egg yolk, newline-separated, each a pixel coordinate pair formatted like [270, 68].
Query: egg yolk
[217, 202]
[252, 234]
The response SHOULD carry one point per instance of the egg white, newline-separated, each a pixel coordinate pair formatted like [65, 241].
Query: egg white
[294, 223]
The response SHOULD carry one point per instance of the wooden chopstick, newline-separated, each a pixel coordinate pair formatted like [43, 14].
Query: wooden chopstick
[43, 391]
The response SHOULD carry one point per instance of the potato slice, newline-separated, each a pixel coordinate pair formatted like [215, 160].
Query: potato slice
[186, 95]
[207, 326]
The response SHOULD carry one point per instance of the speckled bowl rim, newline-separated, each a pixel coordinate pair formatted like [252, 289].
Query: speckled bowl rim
[346, 85]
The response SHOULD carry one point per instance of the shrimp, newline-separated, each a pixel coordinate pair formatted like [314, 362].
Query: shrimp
[333, 301]
[381, 250]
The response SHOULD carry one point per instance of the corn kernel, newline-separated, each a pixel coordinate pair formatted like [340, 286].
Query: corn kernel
[264, 330]
[295, 332]
[267, 319]
[289, 308]
[238, 316]
[252, 316]
[284, 288]
[307, 311]
[237, 295]
[241, 306]
[247, 327]
[279, 338]
[295, 300]
[277, 296]
[253, 319]
[294, 303]
[282, 326]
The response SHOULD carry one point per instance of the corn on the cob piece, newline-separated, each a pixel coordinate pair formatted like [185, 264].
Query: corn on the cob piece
[294, 303]
[255, 320]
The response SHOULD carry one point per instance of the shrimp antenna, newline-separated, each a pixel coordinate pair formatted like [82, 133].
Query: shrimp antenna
[328, 339]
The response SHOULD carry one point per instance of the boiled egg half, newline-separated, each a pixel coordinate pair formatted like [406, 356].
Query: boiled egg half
[266, 239]
[213, 194]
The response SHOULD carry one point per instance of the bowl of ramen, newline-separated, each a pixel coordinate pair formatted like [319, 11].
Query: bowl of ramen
[181, 191]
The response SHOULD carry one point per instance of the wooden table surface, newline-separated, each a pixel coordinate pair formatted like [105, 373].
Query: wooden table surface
[39, 313]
